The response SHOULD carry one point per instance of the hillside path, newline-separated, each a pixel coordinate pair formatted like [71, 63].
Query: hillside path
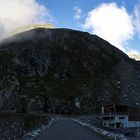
[66, 129]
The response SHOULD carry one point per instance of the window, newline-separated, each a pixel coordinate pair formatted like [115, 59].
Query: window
[111, 125]
[121, 118]
[108, 118]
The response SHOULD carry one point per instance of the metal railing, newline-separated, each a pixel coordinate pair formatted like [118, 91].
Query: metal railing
[116, 113]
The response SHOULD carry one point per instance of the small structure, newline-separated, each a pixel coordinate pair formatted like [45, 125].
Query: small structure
[120, 116]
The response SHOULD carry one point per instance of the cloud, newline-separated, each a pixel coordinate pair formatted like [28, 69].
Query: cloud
[132, 51]
[133, 54]
[137, 18]
[16, 13]
[77, 13]
[112, 23]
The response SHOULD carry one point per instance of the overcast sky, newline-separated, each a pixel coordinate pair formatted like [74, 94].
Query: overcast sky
[117, 21]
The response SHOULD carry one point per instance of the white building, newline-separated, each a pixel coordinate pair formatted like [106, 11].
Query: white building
[120, 115]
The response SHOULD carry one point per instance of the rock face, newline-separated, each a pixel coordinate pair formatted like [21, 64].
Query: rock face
[60, 66]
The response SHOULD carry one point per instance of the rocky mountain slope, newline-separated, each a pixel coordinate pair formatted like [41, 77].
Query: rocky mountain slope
[64, 71]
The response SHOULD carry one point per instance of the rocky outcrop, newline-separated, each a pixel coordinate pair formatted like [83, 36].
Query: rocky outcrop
[13, 126]
[59, 66]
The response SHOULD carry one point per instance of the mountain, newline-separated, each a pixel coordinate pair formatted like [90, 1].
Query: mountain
[28, 28]
[64, 71]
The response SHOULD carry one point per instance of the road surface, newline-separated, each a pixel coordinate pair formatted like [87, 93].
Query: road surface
[66, 129]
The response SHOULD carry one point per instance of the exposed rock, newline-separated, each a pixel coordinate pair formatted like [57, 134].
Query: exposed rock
[59, 65]
[13, 126]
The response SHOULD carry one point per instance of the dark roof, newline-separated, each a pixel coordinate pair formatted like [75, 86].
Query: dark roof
[121, 104]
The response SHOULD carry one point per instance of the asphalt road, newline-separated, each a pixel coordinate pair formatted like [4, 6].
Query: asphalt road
[66, 129]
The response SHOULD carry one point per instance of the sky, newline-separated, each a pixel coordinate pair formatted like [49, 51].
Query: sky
[117, 21]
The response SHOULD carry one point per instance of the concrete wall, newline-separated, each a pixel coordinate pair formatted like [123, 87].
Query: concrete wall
[133, 123]
[119, 119]
[123, 119]
[106, 123]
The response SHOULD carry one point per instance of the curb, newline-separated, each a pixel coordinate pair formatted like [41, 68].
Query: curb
[99, 131]
[35, 133]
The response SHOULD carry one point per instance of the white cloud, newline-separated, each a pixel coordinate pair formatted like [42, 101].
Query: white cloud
[132, 51]
[77, 13]
[16, 13]
[133, 54]
[112, 23]
[137, 18]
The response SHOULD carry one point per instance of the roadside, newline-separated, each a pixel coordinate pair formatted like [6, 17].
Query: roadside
[34, 134]
[107, 133]
[13, 126]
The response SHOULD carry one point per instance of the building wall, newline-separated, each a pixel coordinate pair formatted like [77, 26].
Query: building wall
[133, 123]
[118, 121]
[122, 119]
[107, 123]
[124, 116]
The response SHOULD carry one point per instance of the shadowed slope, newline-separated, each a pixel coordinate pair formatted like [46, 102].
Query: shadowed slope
[59, 67]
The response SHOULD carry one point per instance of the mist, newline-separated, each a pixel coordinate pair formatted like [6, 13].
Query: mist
[17, 13]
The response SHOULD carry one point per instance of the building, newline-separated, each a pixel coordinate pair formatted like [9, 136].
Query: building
[120, 116]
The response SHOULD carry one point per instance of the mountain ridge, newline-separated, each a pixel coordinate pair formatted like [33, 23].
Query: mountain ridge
[55, 68]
